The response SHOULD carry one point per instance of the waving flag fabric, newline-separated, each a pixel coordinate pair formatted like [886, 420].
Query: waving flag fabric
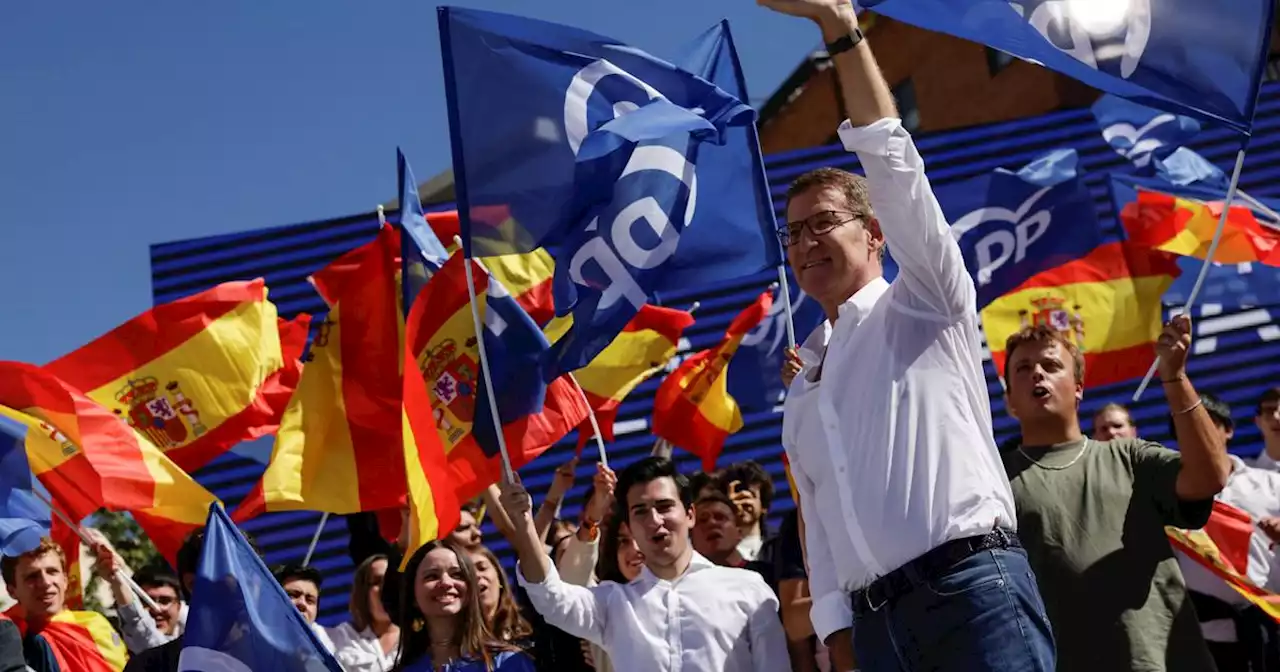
[1012, 225]
[1222, 547]
[1185, 227]
[692, 408]
[240, 617]
[643, 348]
[1139, 133]
[338, 448]
[1107, 302]
[195, 376]
[442, 340]
[755, 373]
[84, 641]
[598, 151]
[24, 519]
[1199, 57]
[88, 458]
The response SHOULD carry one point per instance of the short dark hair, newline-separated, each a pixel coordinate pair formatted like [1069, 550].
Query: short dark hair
[189, 554]
[716, 497]
[643, 471]
[293, 572]
[1219, 412]
[1272, 395]
[749, 473]
[158, 577]
[853, 187]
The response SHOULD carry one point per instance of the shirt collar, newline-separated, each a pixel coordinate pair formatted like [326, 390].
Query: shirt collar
[696, 563]
[855, 308]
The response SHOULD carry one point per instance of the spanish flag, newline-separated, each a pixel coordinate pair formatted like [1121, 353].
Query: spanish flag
[643, 348]
[84, 641]
[195, 376]
[443, 343]
[1185, 227]
[693, 408]
[66, 538]
[527, 276]
[1107, 302]
[338, 447]
[88, 458]
[1222, 547]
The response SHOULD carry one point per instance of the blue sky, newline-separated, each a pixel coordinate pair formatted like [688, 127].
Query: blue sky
[126, 123]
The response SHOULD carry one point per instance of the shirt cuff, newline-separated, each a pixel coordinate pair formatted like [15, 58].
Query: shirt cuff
[130, 613]
[874, 139]
[830, 613]
[551, 580]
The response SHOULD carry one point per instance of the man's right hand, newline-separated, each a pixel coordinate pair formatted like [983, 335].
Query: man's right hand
[791, 366]
[602, 497]
[515, 501]
[840, 647]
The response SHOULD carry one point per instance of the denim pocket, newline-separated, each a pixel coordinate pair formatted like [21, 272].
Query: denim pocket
[976, 572]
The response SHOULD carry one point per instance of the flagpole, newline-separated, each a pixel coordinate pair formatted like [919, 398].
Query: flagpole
[133, 585]
[1208, 259]
[595, 424]
[508, 473]
[786, 305]
[315, 539]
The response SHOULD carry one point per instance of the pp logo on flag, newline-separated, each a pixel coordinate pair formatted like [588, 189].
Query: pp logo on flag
[1003, 245]
[1112, 30]
[615, 249]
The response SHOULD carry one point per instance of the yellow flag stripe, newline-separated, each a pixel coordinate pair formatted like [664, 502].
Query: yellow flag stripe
[1115, 314]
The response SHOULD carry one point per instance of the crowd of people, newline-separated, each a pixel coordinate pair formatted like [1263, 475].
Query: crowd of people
[917, 543]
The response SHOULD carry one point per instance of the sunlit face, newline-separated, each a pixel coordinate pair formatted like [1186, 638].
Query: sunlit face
[1042, 383]
[467, 533]
[1268, 421]
[1113, 423]
[630, 559]
[830, 267]
[305, 596]
[715, 535]
[658, 521]
[749, 508]
[488, 583]
[440, 585]
[40, 586]
[377, 574]
[166, 598]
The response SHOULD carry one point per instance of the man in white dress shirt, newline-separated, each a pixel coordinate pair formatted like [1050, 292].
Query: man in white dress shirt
[1267, 419]
[910, 519]
[682, 614]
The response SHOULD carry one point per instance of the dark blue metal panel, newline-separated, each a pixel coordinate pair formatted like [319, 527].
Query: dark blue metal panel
[1238, 354]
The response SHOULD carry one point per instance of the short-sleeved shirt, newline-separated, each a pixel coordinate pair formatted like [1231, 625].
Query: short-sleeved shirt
[1093, 527]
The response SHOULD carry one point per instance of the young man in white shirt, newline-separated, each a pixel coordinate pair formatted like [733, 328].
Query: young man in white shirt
[909, 517]
[682, 614]
[1267, 419]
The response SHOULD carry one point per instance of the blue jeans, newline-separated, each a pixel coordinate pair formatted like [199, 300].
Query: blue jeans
[983, 613]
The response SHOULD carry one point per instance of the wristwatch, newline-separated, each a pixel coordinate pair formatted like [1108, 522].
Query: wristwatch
[845, 43]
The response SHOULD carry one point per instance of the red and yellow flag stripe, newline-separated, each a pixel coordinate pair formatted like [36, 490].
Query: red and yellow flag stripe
[84, 641]
[195, 376]
[1222, 547]
[1108, 302]
[692, 408]
[1186, 226]
[88, 458]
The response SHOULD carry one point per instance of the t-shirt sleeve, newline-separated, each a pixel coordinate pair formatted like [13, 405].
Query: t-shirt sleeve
[1156, 474]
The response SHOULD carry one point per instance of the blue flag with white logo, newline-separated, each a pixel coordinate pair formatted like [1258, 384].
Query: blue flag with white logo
[1139, 133]
[240, 617]
[1200, 57]
[755, 372]
[24, 518]
[636, 174]
[1229, 285]
[421, 252]
[1013, 225]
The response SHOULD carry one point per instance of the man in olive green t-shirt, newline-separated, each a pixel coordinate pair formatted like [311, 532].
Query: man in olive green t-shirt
[1091, 514]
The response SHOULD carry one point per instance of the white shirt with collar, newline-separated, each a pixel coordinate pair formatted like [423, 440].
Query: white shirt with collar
[1265, 461]
[1255, 491]
[892, 450]
[710, 619]
[360, 650]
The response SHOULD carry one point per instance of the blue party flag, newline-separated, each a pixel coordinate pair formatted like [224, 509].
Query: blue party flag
[24, 518]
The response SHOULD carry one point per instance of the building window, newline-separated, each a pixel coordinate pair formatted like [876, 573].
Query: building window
[905, 95]
[997, 60]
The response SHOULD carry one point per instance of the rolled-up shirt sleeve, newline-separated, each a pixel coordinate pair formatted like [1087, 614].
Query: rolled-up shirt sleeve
[832, 609]
[574, 609]
[929, 260]
[138, 628]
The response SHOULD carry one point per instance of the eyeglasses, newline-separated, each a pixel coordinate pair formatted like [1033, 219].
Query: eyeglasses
[819, 224]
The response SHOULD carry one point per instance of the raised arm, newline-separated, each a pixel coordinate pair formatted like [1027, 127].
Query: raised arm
[915, 230]
[550, 509]
[573, 609]
[1205, 465]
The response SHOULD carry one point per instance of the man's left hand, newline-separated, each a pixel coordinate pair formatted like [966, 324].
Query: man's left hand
[1173, 346]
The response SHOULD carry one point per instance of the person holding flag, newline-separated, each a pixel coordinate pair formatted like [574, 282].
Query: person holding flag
[910, 523]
